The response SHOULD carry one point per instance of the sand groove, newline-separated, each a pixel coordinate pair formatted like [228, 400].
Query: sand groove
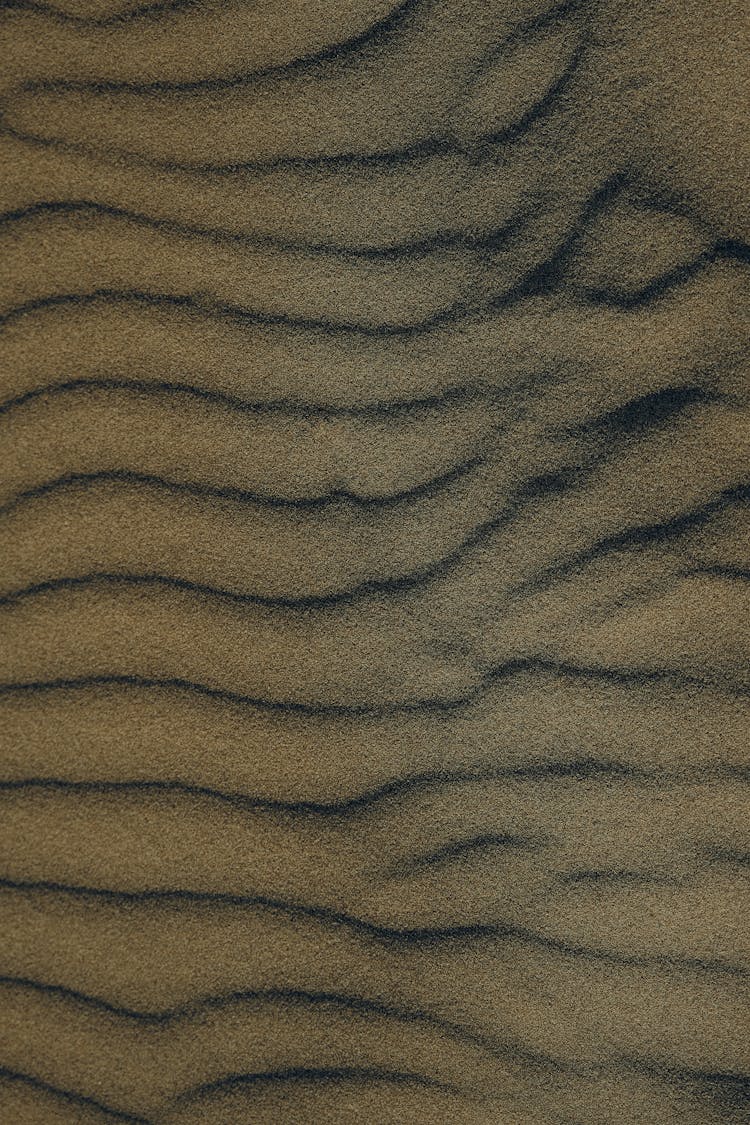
[374, 433]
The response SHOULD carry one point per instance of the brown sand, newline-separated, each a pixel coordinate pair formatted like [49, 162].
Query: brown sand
[374, 438]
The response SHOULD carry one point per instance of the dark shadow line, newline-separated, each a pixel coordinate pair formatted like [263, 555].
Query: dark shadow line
[385, 158]
[654, 290]
[323, 503]
[292, 997]
[549, 275]
[228, 696]
[439, 569]
[509, 135]
[502, 1049]
[659, 532]
[406, 250]
[432, 572]
[72, 1097]
[363, 43]
[535, 280]
[717, 570]
[361, 1075]
[546, 105]
[577, 769]
[616, 876]
[460, 395]
[415, 937]
[156, 7]
[469, 847]
[137, 12]
[242, 315]
[342, 51]
[681, 1074]
[379, 933]
[730, 856]
[208, 593]
[733, 250]
[441, 705]
[645, 412]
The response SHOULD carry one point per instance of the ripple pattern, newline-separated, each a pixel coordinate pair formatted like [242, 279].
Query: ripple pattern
[374, 615]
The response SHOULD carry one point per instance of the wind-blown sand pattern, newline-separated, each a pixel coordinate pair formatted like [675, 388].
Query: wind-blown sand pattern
[374, 433]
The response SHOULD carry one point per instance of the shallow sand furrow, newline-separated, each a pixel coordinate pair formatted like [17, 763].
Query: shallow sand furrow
[374, 524]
